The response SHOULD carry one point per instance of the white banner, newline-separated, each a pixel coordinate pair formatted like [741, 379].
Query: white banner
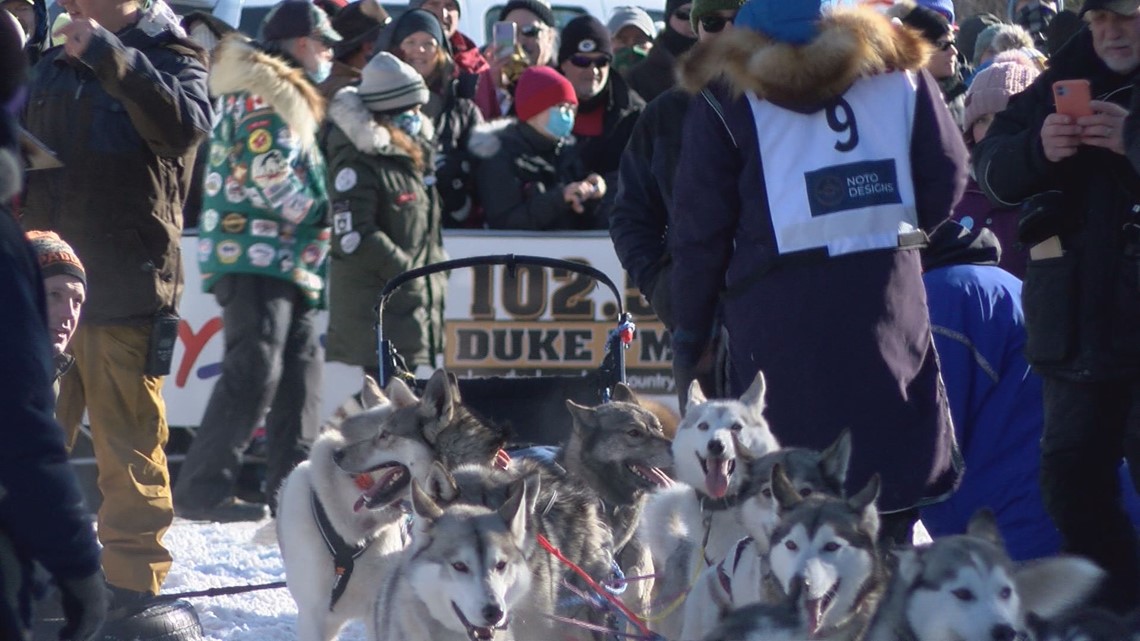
[541, 321]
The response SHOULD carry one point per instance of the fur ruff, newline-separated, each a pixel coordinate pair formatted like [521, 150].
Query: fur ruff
[852, 43]
[348, 112]
[239, 66]
[484, 139]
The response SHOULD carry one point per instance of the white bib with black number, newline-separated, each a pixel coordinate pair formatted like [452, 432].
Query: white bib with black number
[840, 178]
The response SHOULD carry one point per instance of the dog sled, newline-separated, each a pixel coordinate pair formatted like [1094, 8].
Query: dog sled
[532, 407]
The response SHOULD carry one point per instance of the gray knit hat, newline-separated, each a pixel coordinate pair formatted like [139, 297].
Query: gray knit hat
[390, 85]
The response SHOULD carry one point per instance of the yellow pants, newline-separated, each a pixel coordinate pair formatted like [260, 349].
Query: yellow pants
[129, 432]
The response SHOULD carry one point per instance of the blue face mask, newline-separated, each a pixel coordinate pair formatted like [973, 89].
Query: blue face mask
[412, 122]
[560, 122]
[322, 72]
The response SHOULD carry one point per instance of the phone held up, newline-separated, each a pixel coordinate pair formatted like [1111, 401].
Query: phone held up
[504, 35]
[1073, 97]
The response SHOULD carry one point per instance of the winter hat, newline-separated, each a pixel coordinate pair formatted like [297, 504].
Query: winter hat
[1010, 73]
[932, 25]
[297, 19]
[702, 8]
[673, 5]
[358, 23]
[419, 4]
[632, 16]
[970, 28]
[415, 21]
[390, 85]
[537, 7]
[944, 7]
[584, 34]
[56, 256]
[791, 21]
[1123, 7]
[540, 88]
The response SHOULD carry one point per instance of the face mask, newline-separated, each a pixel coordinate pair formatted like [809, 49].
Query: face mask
[560, 122]
[411, 122]
[322, 72]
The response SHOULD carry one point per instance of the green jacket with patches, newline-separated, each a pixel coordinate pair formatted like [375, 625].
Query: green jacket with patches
[386, 220]
[265, 203]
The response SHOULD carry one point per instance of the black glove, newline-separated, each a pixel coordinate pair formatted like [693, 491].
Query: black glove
[85, 603]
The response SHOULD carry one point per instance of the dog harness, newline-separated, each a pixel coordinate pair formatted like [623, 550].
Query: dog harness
[344, 555]
[722, 574]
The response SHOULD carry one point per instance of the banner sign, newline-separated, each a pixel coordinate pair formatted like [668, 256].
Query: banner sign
[539, 320]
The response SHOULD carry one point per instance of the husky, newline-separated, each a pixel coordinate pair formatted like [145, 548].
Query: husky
[965, 588]
[462, 575]
[339, 532]
[697, 521]
[1086, 624]
[438, 421]
[741, 578]
[568, 514]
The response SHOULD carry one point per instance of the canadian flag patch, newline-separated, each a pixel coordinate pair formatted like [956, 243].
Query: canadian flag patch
[406, 197]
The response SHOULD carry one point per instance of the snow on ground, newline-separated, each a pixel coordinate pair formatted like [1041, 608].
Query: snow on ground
[212, 555]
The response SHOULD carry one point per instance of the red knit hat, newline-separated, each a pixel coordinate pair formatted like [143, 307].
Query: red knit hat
[540, 88]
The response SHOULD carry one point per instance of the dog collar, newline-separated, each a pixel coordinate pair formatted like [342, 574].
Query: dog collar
[717, 505]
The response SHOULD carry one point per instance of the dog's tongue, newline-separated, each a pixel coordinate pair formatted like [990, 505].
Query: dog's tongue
[373, 486]
[815, 615]
[657, 476]
[716, 479]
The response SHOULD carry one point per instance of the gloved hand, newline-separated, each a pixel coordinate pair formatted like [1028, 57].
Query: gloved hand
[85, 603]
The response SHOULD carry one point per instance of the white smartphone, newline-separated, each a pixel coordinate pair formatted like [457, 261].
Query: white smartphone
[504, 35]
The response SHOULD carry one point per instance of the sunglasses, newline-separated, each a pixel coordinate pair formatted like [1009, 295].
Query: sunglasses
[715, 24]
[531, 31]
[945, 46]
[682, 14]
[583, 62]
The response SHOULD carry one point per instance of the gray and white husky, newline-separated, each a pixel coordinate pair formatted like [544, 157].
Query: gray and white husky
[361, 521]
[462, 575]
[742, 577]
[698, 521]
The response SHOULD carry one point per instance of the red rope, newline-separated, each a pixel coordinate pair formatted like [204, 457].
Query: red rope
[616, 602]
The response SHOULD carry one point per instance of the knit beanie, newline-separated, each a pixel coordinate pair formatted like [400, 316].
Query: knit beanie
[703, 8]
[415, 21]
[540, 88]
[944, 7]
[971, 28]
[56, 256]
[419, 4]
[537, 7]
[390, 85]
[673, 5]
[1010, 73]
[932, 25]
[791, 21]
[584, 34]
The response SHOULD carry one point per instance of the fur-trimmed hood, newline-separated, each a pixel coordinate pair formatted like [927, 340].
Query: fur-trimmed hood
[851, 43]
[349, 113]
[484, 142]
[239, 66]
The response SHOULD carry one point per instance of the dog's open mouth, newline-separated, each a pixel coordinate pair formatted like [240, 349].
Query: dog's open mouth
[382, 485]
[816, 609]
[653, 476]
[478, 633]
[717, 471]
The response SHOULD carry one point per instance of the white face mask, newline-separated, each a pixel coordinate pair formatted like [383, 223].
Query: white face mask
[412, 122]
[322, 72]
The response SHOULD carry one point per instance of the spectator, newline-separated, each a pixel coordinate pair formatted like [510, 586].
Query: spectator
[418, 40]
[262, 248]
[644, 201]
[631, 33]
[1064, 26]
[1035, 16]
[1005, 37]
[42, 516]
[358, 24]
[968, 32]
[655, 75]
[1081, 290]
[745, 233]
[527, 172]
[386, 218]
[32, 16]
[124, 104]
[464, 53]
[607, 107]
[943, 64]
[65, 286]
[536, 37]
[1010, 74]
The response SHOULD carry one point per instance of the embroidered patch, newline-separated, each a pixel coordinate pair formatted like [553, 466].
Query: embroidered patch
[205, 246]
[260, 254]
[229, 251]
[209, 220]
[311, 254]
[260, 141]
[297, 207]
[345, 179]
[342, 222]
[350, 242]
[217, 153]
[405, 198]
[213, 184]
[587, 46]
[233, 223]
[285, 255]
[264, 228]
[235, 193]
[270, 169]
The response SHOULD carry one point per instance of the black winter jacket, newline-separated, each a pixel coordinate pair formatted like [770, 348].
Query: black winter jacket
[1082, 309]
[455, 116]
[601, 154]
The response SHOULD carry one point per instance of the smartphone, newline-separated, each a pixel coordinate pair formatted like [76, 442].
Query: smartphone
[1072, 97]
[504, 35]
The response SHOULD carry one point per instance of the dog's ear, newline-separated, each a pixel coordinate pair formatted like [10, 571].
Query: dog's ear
[864, 502]
[514, 511]
[437, 404]
[1050, 587]
[441, 484]
[908, 564]
[695, 397]
[583, 416]
[370, 393]
[454, 381]
[624, 394]
[423, 505]
[783, 492]
[753, 397]
[401, 394]
[984, 526]
[834, 461]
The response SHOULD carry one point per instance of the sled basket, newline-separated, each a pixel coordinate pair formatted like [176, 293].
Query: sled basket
[533, 408]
